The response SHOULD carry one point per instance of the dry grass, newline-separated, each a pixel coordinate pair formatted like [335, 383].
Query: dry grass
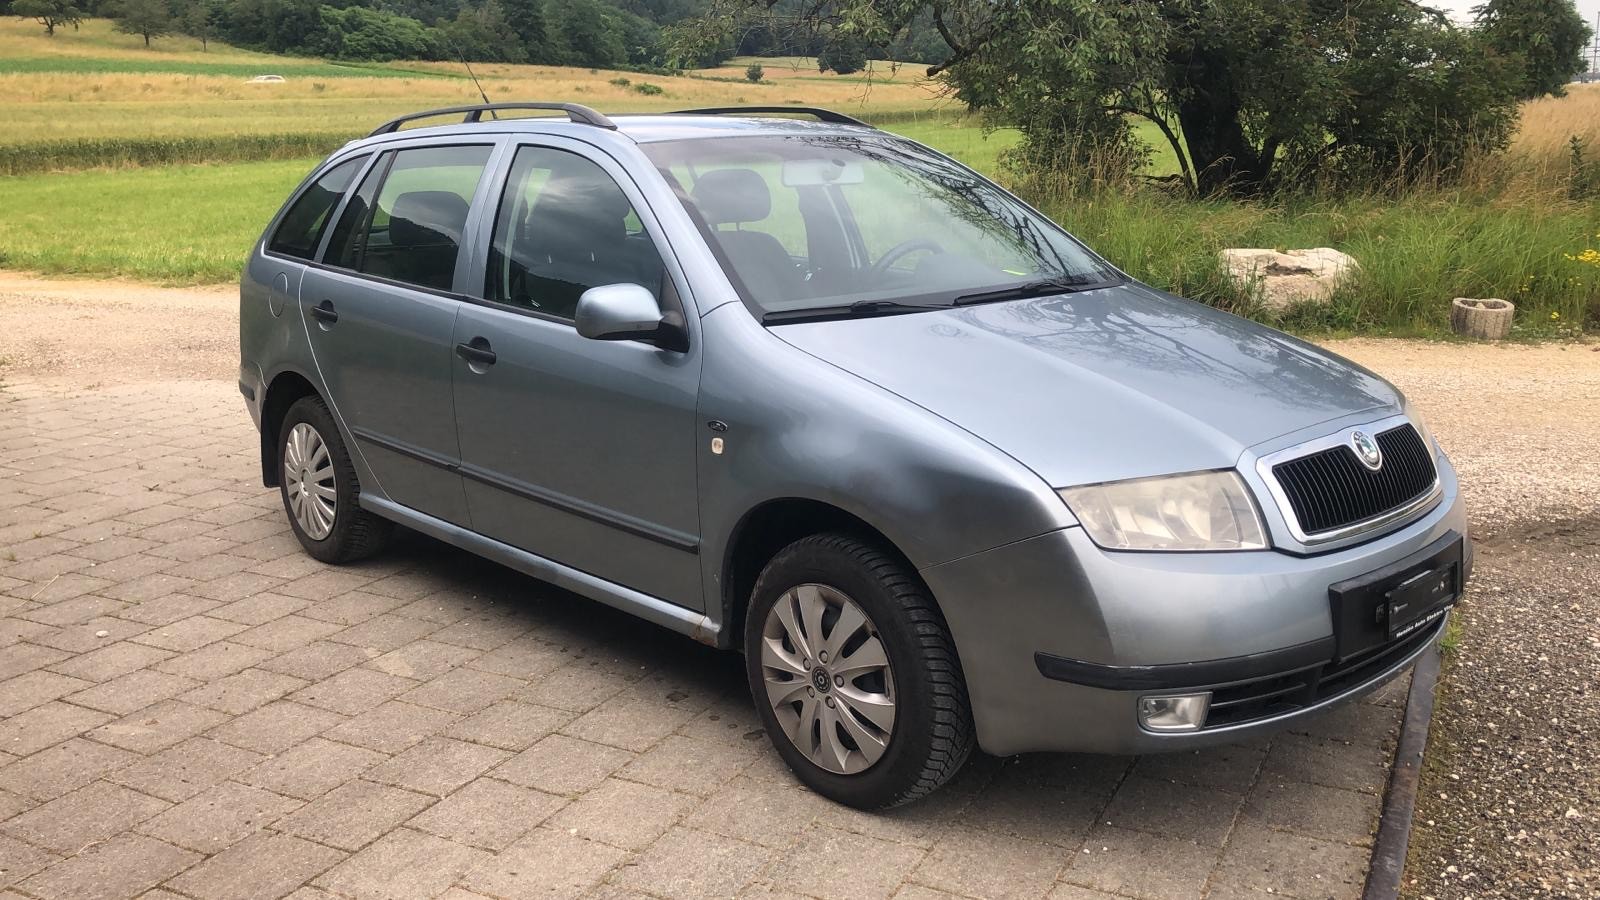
[25, 38]
[1548, 124]
[63, 105]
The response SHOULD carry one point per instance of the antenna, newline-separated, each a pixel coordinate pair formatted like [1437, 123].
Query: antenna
[475, 83]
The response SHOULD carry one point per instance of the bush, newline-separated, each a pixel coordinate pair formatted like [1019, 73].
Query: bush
[620, 81]
[844, 55]
[366, 34]
[648, 89]
[754, 74]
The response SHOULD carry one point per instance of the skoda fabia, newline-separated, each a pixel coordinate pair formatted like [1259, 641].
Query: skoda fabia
[813, 392]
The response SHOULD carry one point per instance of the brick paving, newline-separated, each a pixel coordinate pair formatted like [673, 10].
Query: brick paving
[191, 707]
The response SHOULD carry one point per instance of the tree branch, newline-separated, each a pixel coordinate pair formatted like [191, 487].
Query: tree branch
[958, 52]
[1177, 146]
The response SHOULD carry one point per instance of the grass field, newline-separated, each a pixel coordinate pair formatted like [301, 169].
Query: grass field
[171, 224]
[95, 83]
[163, 165]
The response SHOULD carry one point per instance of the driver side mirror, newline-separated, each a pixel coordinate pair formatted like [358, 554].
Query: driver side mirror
[628, 312]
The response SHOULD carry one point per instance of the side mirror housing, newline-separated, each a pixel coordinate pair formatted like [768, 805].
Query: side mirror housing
[628, 312]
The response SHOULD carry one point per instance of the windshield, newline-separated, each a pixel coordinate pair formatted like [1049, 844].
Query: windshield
[865, 224]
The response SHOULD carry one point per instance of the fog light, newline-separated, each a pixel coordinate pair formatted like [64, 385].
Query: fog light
[1179, 712]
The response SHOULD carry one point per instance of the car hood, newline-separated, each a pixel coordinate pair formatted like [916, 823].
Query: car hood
[1120, 382]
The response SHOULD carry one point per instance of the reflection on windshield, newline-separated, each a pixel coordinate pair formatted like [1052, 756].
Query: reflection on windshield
[851, 224]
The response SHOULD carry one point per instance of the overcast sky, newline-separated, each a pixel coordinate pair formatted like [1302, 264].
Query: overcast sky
[1462, 9]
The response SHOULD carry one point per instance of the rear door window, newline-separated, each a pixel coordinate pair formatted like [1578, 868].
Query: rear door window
[407, 220]
[302, 226]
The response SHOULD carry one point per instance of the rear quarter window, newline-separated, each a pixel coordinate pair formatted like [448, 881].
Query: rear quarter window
[301, 228]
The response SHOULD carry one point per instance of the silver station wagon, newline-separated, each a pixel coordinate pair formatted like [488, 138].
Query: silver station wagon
[797, 387]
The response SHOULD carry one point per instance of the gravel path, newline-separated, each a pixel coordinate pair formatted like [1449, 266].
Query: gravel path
[83, 333]
[1510, 803]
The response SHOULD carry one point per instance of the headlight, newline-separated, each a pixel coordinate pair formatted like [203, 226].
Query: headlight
[1197, 511]
[1422, 430]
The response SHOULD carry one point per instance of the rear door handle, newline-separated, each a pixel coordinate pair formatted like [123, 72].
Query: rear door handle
[476, 351]
[324, 312]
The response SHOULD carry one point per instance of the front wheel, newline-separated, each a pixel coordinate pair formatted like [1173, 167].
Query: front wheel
[318, 483]
[854, 673]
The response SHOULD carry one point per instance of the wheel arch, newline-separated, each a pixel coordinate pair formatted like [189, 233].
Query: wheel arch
[282, 391]
[769, 527]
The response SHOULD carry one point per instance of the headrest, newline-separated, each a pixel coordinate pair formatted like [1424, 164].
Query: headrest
[732, 195]
[427, 217]
[589, 195]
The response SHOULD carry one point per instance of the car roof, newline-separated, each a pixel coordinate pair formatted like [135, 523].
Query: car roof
[639, 128]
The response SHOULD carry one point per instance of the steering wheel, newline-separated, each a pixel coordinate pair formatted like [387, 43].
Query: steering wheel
[901, 250]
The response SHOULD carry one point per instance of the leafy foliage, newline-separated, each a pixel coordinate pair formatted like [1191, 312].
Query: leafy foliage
[526, 20]
[1252, 95]
[49, 13]
[1544, 41]
[360, 33]
[844, 53]
[146, 18]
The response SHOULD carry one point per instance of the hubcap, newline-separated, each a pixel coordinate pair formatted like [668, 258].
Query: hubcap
[309, 481]
[828, 678]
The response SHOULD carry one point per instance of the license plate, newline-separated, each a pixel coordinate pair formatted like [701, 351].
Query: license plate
[1397, 601]
[1420, 601]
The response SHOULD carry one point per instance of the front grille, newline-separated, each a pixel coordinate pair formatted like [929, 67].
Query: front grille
[1331, 489]
[1278, 695]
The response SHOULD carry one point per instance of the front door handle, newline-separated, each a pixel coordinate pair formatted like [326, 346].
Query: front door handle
[476, 351]
[324, 312]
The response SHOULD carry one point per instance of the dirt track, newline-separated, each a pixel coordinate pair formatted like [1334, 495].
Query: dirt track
[82, 333]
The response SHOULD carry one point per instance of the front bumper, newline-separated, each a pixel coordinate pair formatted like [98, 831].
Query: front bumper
[1110, 628]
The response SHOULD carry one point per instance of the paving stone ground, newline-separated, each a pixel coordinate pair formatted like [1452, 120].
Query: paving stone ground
[191, 707]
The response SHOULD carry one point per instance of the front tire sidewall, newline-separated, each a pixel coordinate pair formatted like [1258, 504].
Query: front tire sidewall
[895, 777]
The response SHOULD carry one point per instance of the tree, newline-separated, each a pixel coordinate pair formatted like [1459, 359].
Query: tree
[199, 20]
[588, 33]
[49, 13]
[146, 18]
[481, 34]
[277, 26]
[1251, 95]
[525, 18]
[754, 73]
[844, 54]
[367, 34]
[1544, 41]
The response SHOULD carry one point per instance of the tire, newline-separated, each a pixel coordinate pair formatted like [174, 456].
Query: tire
[931, 732]
[347, 532]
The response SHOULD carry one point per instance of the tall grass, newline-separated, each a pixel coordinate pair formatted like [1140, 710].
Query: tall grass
[1416, 252]
[172, 224]
[117, 152]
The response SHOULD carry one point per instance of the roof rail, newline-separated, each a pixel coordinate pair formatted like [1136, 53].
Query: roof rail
[823, 115]
[582, 115]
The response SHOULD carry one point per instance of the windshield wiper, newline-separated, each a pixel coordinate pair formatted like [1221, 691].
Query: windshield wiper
[845, 310]
[1044, 287]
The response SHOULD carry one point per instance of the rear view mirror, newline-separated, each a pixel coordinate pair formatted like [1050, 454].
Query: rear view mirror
[821, 172]
[628, 312]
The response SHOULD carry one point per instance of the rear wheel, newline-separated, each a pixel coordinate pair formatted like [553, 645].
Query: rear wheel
[318, 484]
[854, 673]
